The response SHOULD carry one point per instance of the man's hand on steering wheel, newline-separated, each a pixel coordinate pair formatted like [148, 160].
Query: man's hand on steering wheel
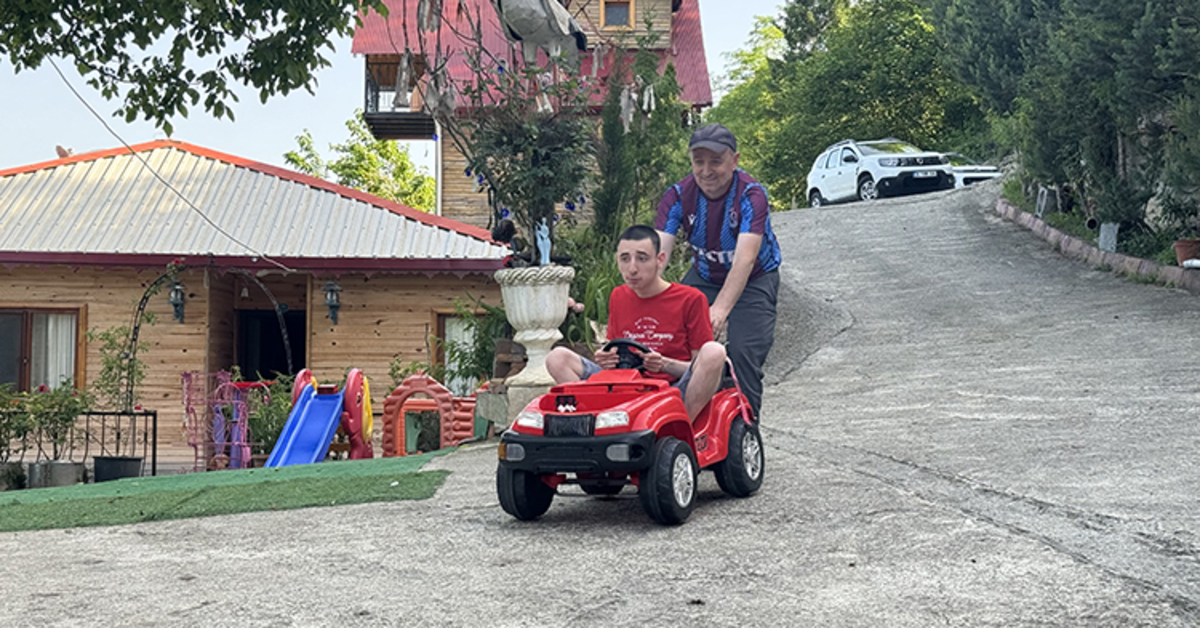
[630, 354]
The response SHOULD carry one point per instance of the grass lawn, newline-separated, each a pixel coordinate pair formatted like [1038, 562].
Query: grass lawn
[133, 500]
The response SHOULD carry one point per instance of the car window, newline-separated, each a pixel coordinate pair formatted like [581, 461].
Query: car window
[846, 152]
[887, 147]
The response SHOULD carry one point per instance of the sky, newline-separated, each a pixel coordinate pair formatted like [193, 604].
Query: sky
[38, 111]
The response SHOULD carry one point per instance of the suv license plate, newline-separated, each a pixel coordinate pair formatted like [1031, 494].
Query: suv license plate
[925, 174]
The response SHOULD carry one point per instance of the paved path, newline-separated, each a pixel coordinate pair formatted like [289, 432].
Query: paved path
[983, 433]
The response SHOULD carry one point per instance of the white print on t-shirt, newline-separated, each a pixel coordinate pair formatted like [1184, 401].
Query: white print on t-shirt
[717, 257]
[645, 331]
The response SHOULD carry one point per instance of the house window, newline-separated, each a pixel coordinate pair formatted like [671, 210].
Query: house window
[38, 347]
[617, 13]
[455, 331]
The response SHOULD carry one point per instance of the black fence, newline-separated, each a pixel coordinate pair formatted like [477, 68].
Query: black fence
[115, 434]
[121, 434]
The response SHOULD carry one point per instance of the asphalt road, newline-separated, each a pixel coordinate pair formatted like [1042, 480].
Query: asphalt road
[962, 428]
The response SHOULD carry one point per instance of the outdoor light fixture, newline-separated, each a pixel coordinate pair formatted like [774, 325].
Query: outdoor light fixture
[333, 300]
[176, 300]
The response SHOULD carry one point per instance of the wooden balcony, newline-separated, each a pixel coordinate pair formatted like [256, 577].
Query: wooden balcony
[384, 118]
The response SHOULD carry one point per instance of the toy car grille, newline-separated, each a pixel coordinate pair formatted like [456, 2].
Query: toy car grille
[570, 424]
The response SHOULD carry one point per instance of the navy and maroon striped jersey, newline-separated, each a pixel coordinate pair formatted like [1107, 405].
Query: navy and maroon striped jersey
[712, 227]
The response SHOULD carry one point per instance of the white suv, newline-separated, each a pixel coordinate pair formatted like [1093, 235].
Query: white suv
[867, 170]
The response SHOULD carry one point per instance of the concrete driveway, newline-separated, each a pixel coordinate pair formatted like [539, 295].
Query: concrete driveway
[962, 428]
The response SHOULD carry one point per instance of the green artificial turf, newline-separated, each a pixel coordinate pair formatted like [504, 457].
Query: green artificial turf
[133, 500]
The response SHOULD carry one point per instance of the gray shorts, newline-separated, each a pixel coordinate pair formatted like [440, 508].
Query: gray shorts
[591, 368]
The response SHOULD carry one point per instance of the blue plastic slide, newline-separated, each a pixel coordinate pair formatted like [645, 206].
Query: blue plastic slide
[309, 430]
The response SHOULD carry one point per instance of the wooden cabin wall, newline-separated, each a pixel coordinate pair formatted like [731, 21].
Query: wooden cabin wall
[222, 323]
[109, 297]
[589, 17]
[384, 317]
[459, 202]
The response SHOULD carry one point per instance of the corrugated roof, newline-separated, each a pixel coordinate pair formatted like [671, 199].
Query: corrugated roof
[398, 31]
[108, 204]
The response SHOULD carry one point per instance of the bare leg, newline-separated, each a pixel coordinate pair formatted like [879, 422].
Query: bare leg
[564, 365]
[706, 377]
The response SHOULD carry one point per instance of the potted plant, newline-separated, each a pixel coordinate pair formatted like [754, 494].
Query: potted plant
[524, 130]
[53, 412]
[121, 372]
[15, 426]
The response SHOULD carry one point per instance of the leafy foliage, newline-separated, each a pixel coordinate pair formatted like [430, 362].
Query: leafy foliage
[273, 46]
[1101, 94]
[120, 373]
[269, 409]
[52, 412]
[15, 423]
[379, 167]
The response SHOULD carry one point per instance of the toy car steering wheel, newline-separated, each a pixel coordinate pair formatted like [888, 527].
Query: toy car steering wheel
[626, 358]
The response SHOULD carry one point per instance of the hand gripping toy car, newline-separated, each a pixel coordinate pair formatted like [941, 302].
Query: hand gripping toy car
[619, 428]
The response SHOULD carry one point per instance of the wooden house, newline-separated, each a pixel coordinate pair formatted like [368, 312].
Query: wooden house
[608, 24]
[83, 238]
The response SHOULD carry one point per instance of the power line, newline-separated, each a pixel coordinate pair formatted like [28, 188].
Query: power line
[158, 176]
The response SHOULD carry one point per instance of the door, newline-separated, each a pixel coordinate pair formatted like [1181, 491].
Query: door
[261, 351]
[844, 176]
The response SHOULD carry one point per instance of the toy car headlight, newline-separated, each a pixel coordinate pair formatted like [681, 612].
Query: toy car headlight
[529, 418]
[889, 162]
[616, 418]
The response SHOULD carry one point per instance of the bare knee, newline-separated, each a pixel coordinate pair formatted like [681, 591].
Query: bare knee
[564, 365]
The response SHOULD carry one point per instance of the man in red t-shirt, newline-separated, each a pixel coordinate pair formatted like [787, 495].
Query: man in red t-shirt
[671, 319]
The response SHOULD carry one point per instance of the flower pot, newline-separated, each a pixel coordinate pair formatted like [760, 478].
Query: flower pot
[1187, 249]
[12, 476]
[49, 473]
[535, 302]
[116, 467]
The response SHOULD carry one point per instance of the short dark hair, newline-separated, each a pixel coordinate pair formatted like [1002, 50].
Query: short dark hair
[637, 233]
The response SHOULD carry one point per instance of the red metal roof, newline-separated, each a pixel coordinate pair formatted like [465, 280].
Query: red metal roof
[392, 35]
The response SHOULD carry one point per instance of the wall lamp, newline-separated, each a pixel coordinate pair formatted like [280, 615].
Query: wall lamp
[175, 298]
[333, 299]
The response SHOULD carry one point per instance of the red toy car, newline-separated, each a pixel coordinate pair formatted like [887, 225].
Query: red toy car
[619, 428]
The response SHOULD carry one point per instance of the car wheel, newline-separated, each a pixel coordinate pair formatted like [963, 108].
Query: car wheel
[815, 200]
[668, 488]
[867, 190]
[741, 472]
[522, 494]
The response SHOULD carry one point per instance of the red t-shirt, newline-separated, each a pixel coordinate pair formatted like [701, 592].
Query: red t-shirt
[674, 322]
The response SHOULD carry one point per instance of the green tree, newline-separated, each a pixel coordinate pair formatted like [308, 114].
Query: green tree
[878, 71]
[379, 167]
[750, 105]
[273, 46]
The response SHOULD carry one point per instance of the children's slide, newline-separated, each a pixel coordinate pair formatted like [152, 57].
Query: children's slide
[310, 428]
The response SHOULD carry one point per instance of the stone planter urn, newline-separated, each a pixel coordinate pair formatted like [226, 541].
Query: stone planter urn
[535, 302]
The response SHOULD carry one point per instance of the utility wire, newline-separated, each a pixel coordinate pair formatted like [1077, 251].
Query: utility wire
[158, 176]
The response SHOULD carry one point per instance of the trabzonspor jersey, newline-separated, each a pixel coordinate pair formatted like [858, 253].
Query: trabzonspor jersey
[712, 227]
[674, 322]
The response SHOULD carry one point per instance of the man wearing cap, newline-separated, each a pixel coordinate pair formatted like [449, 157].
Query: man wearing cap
[724, 216]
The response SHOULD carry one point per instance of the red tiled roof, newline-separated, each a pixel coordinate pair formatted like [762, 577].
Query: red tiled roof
[392, 35]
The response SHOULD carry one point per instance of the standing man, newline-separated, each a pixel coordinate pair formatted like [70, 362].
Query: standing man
[724, 216]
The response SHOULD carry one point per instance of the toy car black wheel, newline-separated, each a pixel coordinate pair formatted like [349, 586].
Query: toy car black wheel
[522, 494]
[667, 488]
[741, 472]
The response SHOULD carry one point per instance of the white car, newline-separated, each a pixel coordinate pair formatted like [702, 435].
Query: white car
[968, 171]
[865, 171]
